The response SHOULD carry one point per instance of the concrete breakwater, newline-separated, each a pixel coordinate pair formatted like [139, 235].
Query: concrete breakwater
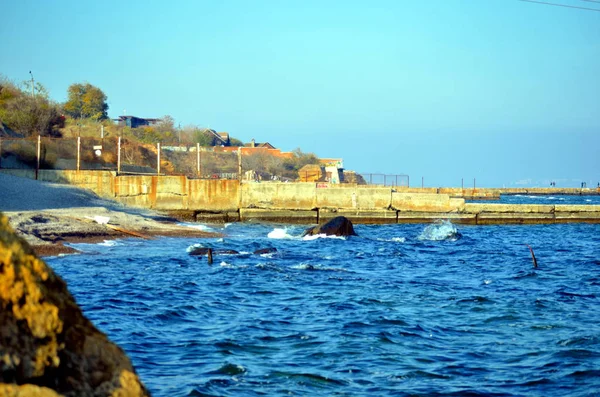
[307, 202]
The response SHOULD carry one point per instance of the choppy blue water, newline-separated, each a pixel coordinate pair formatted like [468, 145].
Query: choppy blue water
[550, 200]
[400, 310]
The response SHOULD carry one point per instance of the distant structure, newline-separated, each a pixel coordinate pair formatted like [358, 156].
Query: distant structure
[254, 144]
[135, 122]
[223, 137]
[218, 138]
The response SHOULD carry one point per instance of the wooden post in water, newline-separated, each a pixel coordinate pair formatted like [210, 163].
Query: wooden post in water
[39, 150]
[158, 158]
[209, 255]
[78, 153]
[119, 156]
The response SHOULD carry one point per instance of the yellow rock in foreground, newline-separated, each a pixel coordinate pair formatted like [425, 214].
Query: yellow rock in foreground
[47, 346]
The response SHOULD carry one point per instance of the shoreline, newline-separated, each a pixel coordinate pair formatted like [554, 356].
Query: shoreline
[48, 231]
[49, 215]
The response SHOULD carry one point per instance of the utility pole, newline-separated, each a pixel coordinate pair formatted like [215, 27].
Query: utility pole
[32, 84]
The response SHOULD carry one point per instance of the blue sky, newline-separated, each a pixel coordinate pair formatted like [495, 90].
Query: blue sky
[503, 91]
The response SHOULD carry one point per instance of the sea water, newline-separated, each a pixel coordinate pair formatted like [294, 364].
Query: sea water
[547, 199]
[437, 309]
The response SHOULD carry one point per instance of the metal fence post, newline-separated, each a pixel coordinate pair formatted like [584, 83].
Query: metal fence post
[39, 149]
[158, 158]
[78, 153]
[119, 156]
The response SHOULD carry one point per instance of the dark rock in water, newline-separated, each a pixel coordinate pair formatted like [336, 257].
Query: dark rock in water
[200, 251]
[265, 251]
[47, 346]
[225, 252]
[203, 251]
[338, 226]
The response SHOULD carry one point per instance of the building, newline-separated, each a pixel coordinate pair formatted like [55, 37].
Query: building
[254, 144]
[135, 122]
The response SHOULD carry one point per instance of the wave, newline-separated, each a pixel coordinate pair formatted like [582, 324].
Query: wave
[110, 243]
[440, 231]
[229, 369]
[198, 226]
[280, 234]
[226, 265]
[393, 239]
[308, 266]
[318, 236]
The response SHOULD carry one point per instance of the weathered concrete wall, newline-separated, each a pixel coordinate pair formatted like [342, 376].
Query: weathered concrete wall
[228, 200]
[279, 215]
[532, 213]
[425, 202]
[293, 196]
[360, 216]
[506, 208]
[134, 191]
[213, 195]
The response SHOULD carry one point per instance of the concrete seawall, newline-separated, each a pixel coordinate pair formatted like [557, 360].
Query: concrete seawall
[308, 203]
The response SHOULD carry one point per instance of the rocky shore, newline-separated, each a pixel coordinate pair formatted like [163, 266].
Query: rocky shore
[48, 216]
[48, 347]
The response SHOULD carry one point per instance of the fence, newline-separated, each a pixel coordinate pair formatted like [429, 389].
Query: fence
[126, 156]
[384, 179]
[121, 155]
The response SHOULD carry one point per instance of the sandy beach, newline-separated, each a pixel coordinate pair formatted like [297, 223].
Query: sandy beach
[48, 215]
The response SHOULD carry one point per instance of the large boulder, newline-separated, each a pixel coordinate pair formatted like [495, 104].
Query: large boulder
[338, 226]
[47, 346]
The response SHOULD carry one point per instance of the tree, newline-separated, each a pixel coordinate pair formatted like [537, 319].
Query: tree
[86, 101]
[235, 142]
[27, 114]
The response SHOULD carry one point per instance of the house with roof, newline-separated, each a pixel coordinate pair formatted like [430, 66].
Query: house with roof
[254, 144]
[135, 122]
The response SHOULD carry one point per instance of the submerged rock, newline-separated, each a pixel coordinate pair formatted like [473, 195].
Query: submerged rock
[203, 251]
[47, 345]
[338, 226]
[265, 251]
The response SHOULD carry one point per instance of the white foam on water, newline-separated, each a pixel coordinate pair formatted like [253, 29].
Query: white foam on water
[440, 231]
[194, 246]
[318, 236]
[308, 266]
[198, 226]
[393, 239]
[109, 243]
[280, 234]
[226, 265]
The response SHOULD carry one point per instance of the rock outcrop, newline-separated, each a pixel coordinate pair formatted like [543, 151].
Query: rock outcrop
[47, 346]
[338, 226]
